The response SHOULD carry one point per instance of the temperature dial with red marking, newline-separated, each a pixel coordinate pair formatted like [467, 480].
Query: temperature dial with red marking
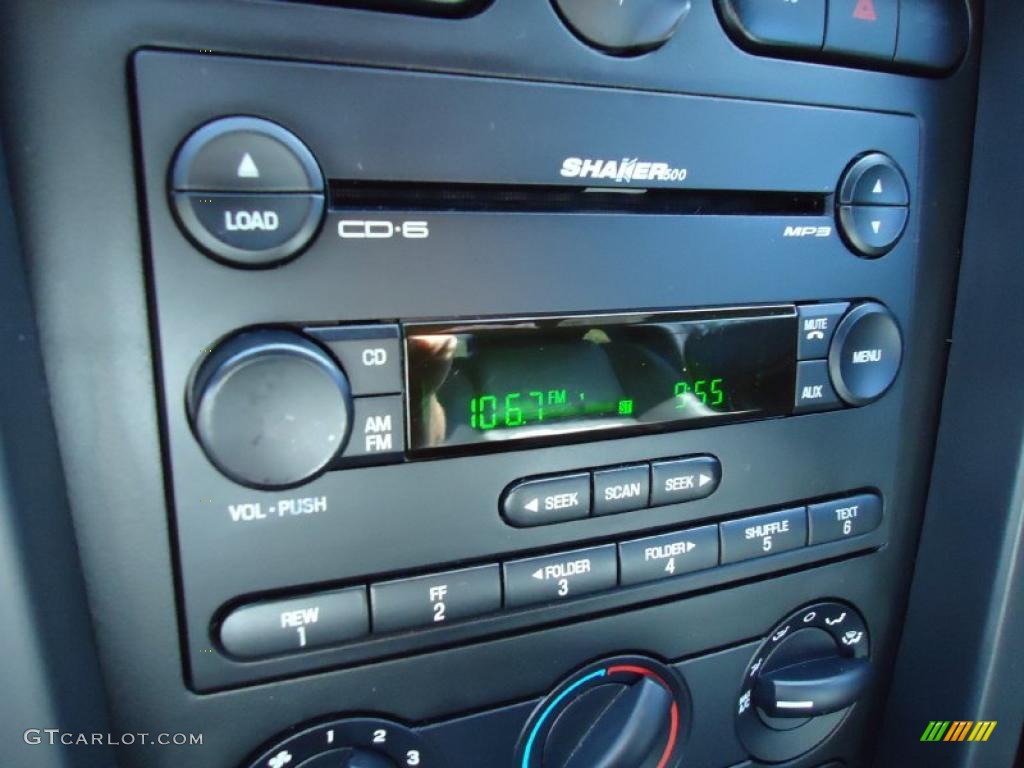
[627, 711]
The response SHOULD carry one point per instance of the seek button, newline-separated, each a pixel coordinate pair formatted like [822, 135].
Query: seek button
[547, 500]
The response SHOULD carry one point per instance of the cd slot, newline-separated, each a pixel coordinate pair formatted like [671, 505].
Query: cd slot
[348, 195]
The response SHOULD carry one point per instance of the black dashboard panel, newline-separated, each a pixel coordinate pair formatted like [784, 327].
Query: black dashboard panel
[352, 596]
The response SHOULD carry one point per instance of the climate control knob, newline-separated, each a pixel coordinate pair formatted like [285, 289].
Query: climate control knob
[621, 713]
[270, 408]
[803, 680]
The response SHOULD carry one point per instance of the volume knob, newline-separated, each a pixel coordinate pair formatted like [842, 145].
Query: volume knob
[270, 408]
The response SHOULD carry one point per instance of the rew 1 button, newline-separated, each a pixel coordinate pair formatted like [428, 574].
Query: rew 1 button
[248, 229]
[559, 577]
[763, 535]
[547, 500]
[435, 600]
[285, 626]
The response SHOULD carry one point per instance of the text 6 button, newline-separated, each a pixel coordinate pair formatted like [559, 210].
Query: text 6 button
[763, 535]
[842, 518]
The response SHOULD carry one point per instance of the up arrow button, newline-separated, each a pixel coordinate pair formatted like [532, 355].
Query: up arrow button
[245, 154]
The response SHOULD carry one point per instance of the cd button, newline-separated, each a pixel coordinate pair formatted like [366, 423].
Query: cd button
[370, 355]
[661, 557]
[547, 500]
[286, 626]
[763, 535]
[814, 391]
[250, 230]
[560, 577]
[435, 600]
[622, 489]
[843, 518]
[679, 480]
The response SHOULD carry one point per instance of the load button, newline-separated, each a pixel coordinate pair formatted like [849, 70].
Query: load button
[250, 229]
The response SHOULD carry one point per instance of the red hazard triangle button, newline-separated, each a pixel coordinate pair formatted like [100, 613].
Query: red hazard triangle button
[865, 10]
[865, 29]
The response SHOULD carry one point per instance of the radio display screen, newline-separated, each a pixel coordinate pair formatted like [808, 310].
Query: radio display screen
[542, 379]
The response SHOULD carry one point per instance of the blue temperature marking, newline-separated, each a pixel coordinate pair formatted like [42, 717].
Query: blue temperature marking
[550, 708]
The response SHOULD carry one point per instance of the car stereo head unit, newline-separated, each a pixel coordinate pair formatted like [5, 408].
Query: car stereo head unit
[450, 346]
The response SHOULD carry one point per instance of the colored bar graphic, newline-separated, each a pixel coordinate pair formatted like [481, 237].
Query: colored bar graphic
[987, 727]
[958, 730]
[935, 730]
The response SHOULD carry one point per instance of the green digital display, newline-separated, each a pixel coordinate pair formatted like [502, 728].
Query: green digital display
[542, 379]
[519, 409]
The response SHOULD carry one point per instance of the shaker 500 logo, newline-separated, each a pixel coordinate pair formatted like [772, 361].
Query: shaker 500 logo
[623, 171]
